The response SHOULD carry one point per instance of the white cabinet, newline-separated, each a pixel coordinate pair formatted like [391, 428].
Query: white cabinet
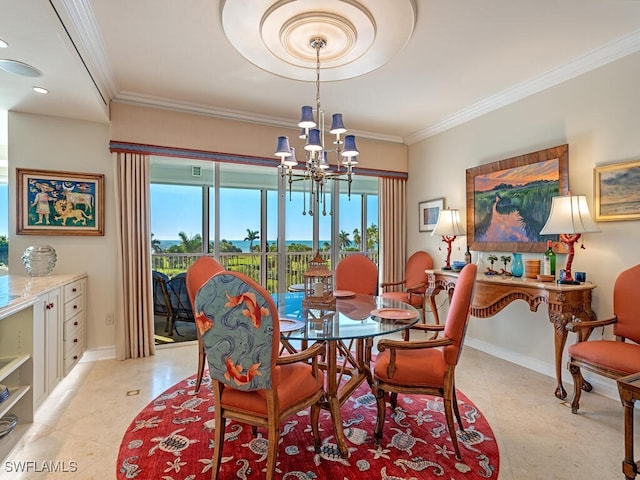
[42, 337]
[73, 324]
[47, 360]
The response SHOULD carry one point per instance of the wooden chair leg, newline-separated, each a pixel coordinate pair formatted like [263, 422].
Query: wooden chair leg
[315, 419]
[448, 411]
[381, 403]
[577, 387]
[201, 361]
[272, 448]
[456, 410]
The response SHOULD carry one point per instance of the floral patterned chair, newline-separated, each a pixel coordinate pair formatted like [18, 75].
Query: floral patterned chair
[251, 384]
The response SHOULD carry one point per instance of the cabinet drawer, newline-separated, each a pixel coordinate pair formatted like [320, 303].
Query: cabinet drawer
[74, 343]
[72, 328]
[73, 307]
[73, 289]
[71, 359]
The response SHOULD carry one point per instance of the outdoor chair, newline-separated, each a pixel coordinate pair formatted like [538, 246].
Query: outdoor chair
[180, 304]
[427, 366]
[161, 301]
[609, 358]
[251, 383]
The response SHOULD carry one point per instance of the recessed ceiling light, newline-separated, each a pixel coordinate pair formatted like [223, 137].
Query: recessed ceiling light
[40, 90]
[19, 68]
[3, 44]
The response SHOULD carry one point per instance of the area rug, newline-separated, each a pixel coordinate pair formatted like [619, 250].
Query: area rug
[171, 439]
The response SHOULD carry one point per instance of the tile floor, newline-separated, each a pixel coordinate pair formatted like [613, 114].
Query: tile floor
[84, 418]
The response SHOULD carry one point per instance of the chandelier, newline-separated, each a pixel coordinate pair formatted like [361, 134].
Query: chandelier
[318, 173]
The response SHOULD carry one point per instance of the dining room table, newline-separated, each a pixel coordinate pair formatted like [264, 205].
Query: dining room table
[348, 331]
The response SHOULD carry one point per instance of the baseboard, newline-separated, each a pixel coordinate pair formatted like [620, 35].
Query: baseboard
[102, 353]
[601, 385]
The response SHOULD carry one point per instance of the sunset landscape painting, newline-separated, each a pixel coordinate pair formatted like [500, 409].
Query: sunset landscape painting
[508, 202]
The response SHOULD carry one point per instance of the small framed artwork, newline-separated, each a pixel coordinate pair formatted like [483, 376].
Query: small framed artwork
[59, 203]
[428, 212]
[617, 191]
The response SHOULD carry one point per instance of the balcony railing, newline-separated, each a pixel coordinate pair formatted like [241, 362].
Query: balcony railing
[251, 264]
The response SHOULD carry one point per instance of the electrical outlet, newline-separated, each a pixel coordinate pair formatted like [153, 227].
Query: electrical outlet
[109, 318]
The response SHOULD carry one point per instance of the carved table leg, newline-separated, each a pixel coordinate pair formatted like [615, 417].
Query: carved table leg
[559, 321]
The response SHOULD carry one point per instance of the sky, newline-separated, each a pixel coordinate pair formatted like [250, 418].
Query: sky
[177, 208]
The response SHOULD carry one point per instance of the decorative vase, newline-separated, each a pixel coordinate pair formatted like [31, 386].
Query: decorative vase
[517, 268]
[39, 260]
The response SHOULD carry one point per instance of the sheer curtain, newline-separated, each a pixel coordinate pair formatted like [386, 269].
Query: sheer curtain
[393, 228]
[134, 322]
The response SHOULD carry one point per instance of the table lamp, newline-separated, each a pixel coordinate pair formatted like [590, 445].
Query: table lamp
[449, 227]
[570, 218]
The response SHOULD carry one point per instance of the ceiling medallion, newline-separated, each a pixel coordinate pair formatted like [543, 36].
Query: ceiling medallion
[274, 35]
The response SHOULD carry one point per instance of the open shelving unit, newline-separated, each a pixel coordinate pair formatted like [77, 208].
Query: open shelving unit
[16, 372]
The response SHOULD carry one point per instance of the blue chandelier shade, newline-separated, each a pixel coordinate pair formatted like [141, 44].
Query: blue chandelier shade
[337, 126]
[283, 149]
[314, 143]
[350, 149]
[306, 119]
[290, 161]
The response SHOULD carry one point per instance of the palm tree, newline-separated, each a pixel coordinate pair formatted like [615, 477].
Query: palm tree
[372, 237]
[252, 235]
[357, 239]
[156, 245]
[345, 241]
[187, 244]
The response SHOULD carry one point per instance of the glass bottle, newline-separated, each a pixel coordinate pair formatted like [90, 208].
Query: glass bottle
[549, 263]
[517, 268]
[467, 256]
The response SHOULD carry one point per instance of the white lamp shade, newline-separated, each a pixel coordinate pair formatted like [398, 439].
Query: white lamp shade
[449, 224]
[569, 214]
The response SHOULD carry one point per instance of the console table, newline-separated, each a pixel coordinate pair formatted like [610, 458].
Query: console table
[494, 292]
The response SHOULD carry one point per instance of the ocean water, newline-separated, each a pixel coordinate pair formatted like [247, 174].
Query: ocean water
[244, 245]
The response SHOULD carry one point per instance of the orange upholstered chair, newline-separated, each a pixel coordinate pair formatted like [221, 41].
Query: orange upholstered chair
[419, 366]
[414, 283]
[357, 273]
[197, 275]
[251, 383]
[609, 358]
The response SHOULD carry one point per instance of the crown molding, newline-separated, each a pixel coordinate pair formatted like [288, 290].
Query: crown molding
[92, 44]
[140, 99]
[622, 47]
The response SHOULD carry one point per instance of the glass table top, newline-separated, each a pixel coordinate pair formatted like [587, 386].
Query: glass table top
[352, 317]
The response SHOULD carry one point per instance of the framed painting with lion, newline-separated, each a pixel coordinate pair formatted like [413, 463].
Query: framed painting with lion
[59, 203]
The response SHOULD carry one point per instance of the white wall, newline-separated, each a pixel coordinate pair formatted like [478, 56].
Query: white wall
[50, 143]
[597, 115]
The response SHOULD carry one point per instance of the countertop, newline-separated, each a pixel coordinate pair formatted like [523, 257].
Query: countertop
[21, 291]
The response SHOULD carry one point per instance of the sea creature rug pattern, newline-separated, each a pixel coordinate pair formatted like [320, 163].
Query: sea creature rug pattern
[171, 439]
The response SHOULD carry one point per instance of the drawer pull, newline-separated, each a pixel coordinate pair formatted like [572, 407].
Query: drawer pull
[75, 340]
[75, 357]
[75, 307]
[74, 289]
[49, 306]
[75, 324]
